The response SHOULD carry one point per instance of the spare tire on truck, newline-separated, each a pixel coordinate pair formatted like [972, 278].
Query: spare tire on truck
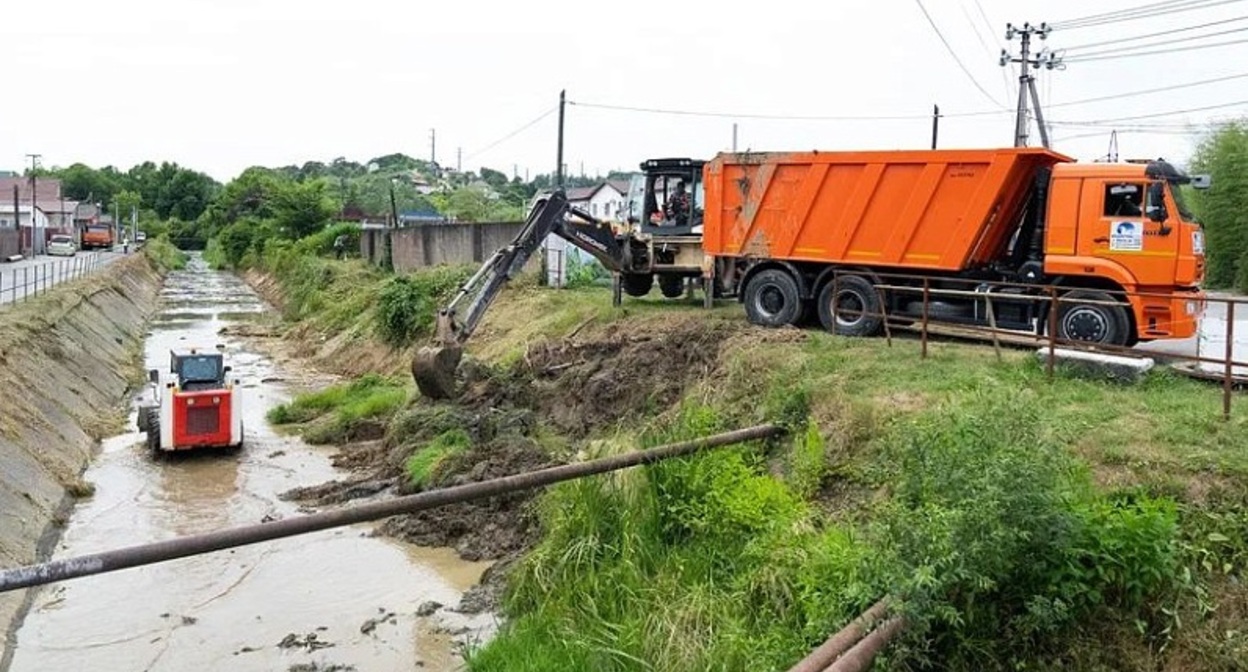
[672, 286]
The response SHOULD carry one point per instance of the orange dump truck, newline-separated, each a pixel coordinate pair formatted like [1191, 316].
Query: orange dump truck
[1013, 224]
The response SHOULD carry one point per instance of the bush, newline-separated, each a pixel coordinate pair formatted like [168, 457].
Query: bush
[408, 304]
[336, 411]
[322, 242]
[164, 255]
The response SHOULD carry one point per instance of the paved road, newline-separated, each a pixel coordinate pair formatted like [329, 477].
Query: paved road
[28, 278]
[1211, 341]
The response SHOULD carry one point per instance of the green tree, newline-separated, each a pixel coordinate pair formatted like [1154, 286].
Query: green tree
[1224, 207]
[125, 201]
[302, 208]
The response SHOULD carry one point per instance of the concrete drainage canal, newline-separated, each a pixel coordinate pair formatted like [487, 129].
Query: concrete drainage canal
[339, 599]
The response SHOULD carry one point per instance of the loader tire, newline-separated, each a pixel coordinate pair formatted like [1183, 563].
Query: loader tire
[153, 430]
[772, 299]
[857, 307]
[672, 286]
[637, 284]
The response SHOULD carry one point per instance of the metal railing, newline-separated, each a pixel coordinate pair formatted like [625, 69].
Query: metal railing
[21, 284]
[1222, 365]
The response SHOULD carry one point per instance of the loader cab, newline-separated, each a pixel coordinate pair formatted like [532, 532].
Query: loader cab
[653, 194]
[198, 370]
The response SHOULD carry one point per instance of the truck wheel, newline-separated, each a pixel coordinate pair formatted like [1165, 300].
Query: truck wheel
[637, 284]
[672, 286]
[141, 418]
[1092, 322]
[857, 307]
[771, 299]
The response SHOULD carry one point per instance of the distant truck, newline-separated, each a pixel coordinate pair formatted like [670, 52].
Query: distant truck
[819, 233]
[98, 237]
[195, 407]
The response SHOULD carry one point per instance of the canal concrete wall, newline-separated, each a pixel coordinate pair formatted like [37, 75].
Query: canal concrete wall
[67, 362]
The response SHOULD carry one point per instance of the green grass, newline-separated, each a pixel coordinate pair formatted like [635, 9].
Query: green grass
[332, 414]
[425, 462]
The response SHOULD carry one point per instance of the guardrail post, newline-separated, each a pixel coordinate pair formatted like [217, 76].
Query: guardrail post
[1052, 331]
[992, 324]
[927, 290]
[888, 332]
[1228, 375]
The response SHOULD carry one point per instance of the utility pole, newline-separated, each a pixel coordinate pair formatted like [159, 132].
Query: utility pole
[559, 159]
[17, 217]
[459, 159]
[34, 199]
[935, 124]
[1027, 81]
[734, 137]
[433, 146]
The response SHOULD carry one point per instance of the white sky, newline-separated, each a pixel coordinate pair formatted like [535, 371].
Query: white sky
[220, 85]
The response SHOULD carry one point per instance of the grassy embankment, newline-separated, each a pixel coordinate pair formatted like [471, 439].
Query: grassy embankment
[1070, 524]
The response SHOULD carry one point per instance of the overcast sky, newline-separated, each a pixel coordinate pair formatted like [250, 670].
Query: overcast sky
[220, 85]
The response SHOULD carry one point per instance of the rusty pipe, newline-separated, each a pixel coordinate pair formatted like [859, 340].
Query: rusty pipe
[862, 654]
[171, 549]
[837, 644]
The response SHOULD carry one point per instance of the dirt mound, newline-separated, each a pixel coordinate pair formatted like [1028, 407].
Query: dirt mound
[579, 387]
[486, 529]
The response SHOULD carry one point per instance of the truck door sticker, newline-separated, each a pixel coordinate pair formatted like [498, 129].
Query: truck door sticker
[1126, 236]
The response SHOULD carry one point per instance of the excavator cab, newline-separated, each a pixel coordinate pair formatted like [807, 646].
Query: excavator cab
[668, 198]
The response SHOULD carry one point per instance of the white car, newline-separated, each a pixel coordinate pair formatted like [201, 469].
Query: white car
[62, 246]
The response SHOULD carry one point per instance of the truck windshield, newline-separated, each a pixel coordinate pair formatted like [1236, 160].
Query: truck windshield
[1180, 200]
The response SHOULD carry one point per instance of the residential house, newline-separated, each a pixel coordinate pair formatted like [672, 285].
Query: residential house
[61, 215]
[31, 223]
[604, 200]
[49, 189]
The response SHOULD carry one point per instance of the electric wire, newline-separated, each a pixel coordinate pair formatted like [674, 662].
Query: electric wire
[1194, 47]
[1142, 12]
[1152, 45]
[1155, 115]
[1172, 31]
[512, 134]
[954, 54]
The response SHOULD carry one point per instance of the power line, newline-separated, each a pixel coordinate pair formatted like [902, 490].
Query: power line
[1194, 47]
[1158, 34]
[1154, 115]
[777, 117]
[512, 134]
[1143, 12]
[1161, 89]
[955, 55]
[1153, 45]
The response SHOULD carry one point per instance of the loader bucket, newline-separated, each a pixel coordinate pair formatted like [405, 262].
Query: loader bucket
[434, 370]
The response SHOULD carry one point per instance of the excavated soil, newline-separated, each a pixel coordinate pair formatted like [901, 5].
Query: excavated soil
[577, 388]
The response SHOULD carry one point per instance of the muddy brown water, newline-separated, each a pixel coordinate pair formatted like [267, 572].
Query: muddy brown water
[340, 597]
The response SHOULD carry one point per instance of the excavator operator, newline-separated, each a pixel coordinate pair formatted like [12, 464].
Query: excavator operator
[677, 207]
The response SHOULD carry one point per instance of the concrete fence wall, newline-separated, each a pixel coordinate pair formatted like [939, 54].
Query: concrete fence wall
[437, 244]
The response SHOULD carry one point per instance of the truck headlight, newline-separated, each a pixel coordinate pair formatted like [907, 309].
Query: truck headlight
[1193, 307]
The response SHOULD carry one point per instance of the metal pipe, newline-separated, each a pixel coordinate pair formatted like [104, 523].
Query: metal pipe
[837, 644]
[863, 653]
[146, 554]
[1228, 375]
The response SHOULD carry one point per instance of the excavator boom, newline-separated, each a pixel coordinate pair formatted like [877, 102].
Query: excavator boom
[434, 366]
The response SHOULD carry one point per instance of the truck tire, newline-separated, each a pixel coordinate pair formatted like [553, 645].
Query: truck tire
[141, 418]
[672, 286]
[153, 430]
[636, 284]
[857, 307]
[1092, 322]
[772, 300]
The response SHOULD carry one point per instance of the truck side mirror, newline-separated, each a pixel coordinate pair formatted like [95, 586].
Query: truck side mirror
[1202, 181]
[154, 376]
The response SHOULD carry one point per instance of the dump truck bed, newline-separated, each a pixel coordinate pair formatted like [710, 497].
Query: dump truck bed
[943, 210]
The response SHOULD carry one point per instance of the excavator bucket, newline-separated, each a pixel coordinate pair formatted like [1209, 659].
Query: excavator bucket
[433, 368]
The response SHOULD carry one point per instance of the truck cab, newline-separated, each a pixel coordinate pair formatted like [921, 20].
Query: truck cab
[666, 205]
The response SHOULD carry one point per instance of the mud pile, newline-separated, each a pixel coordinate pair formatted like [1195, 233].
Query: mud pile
[67, 360]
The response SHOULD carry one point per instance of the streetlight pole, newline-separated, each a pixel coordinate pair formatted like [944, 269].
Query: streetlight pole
[34, 199]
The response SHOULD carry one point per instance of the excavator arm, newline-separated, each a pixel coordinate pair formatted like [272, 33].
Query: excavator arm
[434, 366]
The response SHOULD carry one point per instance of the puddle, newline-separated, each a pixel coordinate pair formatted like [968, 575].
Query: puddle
[338, 597]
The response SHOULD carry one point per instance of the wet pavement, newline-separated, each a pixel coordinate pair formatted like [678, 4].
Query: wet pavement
[334, 598]
[1211, 341]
